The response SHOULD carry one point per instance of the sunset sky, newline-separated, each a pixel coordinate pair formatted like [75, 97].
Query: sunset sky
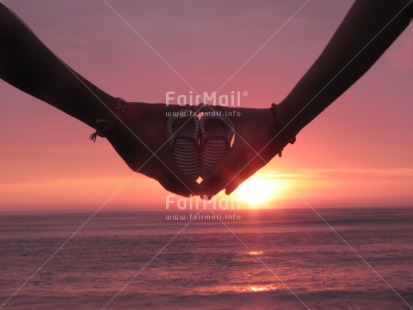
[358, 152]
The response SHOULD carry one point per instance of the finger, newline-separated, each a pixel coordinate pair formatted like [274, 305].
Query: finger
[248, 163]
[244, 174]
[174, 186]
[178, 184]
[171, 178]
[257, 162]
[171, 171]
[225, 170]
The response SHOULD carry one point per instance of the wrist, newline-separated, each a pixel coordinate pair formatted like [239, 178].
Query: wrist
[288, 119]
[115, 115]
[281, 129]
[282, 125]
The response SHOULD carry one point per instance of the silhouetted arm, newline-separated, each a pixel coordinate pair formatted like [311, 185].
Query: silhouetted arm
[139, 137]
[369, 28]
[26, 63]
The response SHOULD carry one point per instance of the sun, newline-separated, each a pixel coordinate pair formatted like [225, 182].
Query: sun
[257, 191]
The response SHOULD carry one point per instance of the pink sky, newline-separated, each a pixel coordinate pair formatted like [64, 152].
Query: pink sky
[358, 152]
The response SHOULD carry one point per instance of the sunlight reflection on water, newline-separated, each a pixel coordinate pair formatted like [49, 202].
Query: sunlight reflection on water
[263, 288]
[255, 252]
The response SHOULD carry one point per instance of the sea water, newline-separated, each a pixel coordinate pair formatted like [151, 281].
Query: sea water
[274, 259]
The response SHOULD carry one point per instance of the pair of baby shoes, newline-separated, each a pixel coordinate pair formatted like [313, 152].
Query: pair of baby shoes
[199, 144]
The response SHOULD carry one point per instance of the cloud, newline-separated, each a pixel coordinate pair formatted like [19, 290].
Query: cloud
[398, 174]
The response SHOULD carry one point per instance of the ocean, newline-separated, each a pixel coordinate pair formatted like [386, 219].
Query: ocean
[274, 259]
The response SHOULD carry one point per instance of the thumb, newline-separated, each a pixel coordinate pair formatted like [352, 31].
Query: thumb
[243, 174]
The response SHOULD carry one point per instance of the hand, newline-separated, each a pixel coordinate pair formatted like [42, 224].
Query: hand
[257, 141]
[144, 146]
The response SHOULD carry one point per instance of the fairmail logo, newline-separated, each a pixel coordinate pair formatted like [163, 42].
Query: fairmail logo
[174, 202]
[233, 99]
